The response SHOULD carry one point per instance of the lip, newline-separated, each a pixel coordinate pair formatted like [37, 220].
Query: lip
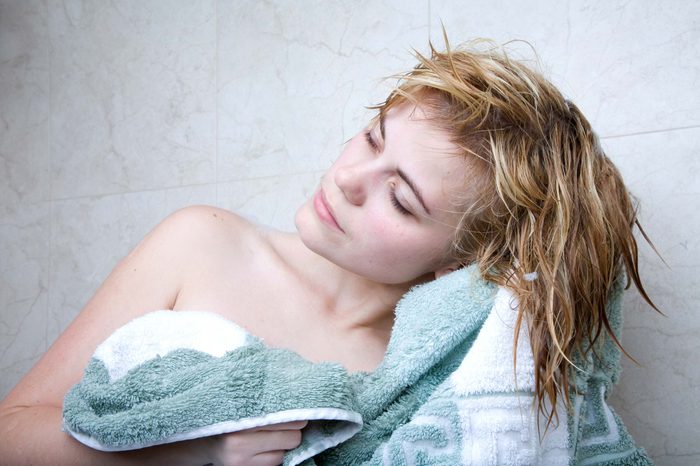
[324, 211]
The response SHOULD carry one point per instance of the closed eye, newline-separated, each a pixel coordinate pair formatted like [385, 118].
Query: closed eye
[370, 140]
[397, 205]
[392, 194]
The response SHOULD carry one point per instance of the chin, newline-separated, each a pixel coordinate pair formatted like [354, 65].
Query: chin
[296, 217]
[305, 220]
[304, 223]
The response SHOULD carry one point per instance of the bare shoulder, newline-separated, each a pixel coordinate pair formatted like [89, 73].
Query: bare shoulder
[205, 222]
[222, 257]
[204, 233]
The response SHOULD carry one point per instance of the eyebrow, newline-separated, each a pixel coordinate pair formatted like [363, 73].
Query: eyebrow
[402, 174]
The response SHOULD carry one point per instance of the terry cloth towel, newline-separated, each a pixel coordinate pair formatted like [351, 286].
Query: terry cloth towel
[446, 392]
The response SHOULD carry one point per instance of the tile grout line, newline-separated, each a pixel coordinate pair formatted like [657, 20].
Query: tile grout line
[191, 185]
[50, 167]
[652, 131]
[429, 19]
[216, 102]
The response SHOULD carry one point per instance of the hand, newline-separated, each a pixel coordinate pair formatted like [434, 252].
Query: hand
[260, 446]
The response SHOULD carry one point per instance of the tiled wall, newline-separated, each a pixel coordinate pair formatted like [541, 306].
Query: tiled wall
[113, 114]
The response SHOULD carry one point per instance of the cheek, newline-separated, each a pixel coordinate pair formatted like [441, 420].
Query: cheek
[410, 249]
[381, 229]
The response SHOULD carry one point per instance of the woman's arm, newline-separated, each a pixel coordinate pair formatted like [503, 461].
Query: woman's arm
[149, 278]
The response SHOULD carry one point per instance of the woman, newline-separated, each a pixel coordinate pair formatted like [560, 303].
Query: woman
[473, 158]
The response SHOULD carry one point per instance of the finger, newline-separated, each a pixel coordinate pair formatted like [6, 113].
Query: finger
[269, 458]
[260, 441]
[286, 426]
[284, 439]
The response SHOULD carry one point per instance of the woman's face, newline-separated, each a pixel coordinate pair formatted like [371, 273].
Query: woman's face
[384, 209]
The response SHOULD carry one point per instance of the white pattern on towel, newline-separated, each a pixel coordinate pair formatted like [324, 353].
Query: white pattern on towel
[499, 425]
[428, 446]
[132, 345]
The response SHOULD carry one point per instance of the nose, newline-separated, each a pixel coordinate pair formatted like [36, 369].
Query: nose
[352, 181]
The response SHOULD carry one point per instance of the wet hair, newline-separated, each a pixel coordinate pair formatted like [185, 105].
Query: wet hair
[545, 212]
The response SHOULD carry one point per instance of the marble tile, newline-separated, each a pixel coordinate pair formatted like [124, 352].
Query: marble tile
[91, 235]
[296, 90]
[24, 103]
[630, 66]
[659, 398]
[132, 95]
[24, 289]
[271, 201]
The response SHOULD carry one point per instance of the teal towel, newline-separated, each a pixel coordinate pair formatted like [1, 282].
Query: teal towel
[445, 393]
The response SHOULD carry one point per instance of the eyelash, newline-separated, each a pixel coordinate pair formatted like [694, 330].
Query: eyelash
[402, 210]
[370, 141]
[392, 195]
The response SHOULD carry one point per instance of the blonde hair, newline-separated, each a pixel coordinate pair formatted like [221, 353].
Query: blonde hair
[550, 204]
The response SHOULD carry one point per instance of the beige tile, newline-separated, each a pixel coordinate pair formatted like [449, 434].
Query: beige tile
[297, 89]
[24, 289]
[269, 201]
[24, 103]
[132, 96]
[630, 66]
[658, 400]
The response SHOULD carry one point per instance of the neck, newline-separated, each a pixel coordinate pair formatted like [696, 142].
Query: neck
[352, 301]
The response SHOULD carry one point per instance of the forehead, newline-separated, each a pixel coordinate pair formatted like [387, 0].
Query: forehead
[424, 151]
